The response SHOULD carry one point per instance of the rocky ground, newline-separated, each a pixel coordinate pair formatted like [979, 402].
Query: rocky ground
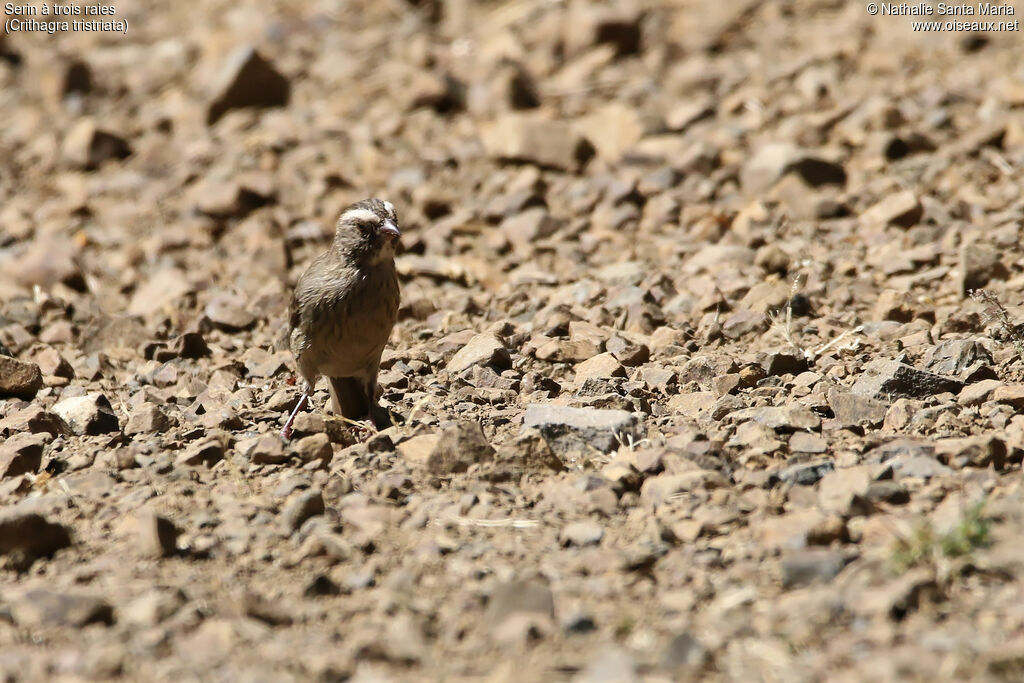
[691, 378]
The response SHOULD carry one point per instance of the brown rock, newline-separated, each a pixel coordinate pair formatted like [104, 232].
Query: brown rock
[533, 139]
[885, 378]
[19, 379]
[35, 420]
[26, 536]
[459, 445]
[40, 608]
[902, 209]
[1012, 395]
[301, 507]
[316, 447]
[247, 80]
[206, 451]
[484, 349]
[147, 419]
[527, 453]
[601, 366]
[88, 146]
[21, 454]
[90, 414]
[980, 263]
[155, 536]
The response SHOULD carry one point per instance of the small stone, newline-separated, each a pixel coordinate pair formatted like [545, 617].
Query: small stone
[807, 473]
[567, 429]
[780, 418]
[529, 595]
[156, 536]
[581, 534]
[264, 450]
[628, 353]
[844, 491]
[852, 410]
[772, 161]
[980, 263]
[316, 447]
[979, 392]
[601, 366]
[918, 467]
[893, 305]
[147, 419]
[567, 351]
[206, 451]
[39, 608]
[810, 566]
[35, 420]
[88, 146]
[321, 586]
[484, 349]
[527, 453]
[91, 414]
[657, 491]
[973, 451]
[441, 92]
[957, 358]
[533, 139]
[783, 363]
[459, 445]
[19, 379]
[268, 611]
[902, 209]
[1012, 395]
[806, 442]
[882, 379]
[523, 229]
[152, 607]
[416, 451]
[21, 454]
[247, 80]
[51, 363]
[799, 529]
[26, 537]
[765, 166]
[684, 652]
[230, 312]
[302, 506]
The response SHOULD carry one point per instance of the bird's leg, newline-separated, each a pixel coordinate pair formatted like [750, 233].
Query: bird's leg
[286, 431]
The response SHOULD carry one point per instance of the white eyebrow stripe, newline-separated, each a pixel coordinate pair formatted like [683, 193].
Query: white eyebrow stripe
[360, 215]
[390, 207]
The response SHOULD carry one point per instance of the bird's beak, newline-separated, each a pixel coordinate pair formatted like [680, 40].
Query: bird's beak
[390, 229]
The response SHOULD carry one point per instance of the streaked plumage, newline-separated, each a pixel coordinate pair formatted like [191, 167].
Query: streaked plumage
[343, 309]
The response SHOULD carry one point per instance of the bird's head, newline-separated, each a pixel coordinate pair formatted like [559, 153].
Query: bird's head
[368, 230]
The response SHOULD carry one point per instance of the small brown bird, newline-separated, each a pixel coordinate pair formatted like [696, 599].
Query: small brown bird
[343, 309]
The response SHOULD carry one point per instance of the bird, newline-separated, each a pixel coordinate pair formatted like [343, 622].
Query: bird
[343, 309]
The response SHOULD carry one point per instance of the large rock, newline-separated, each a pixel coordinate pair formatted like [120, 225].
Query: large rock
[568, 429]
[19, 379]
[91, 414]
